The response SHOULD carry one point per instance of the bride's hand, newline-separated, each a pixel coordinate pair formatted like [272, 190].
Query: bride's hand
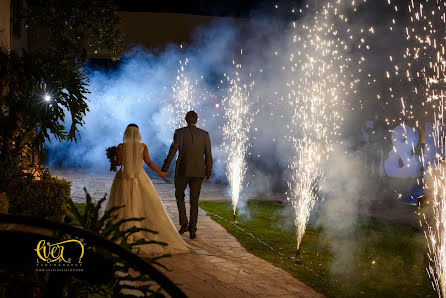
[163, 175]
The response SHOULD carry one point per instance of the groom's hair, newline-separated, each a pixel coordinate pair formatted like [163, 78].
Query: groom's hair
[191, 117]
[132, 124]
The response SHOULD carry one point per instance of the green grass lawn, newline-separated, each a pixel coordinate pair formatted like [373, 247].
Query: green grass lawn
[386, 260]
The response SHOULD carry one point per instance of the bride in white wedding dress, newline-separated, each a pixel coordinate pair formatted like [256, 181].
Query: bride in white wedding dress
[134, 189]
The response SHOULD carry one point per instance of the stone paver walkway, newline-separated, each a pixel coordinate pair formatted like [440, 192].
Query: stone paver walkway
[218, 265]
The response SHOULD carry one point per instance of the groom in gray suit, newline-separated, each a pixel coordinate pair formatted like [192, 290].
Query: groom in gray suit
[194, 164]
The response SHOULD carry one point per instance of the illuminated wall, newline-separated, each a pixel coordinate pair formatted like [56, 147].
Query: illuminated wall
[157, 30]
[12, 28]
[5, 24]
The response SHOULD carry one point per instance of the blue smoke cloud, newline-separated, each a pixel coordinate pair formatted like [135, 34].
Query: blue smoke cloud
[139, 91]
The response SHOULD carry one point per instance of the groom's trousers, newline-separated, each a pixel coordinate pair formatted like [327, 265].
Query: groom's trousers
[194, 187]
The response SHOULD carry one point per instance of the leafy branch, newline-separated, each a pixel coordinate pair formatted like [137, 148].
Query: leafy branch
[110, 227]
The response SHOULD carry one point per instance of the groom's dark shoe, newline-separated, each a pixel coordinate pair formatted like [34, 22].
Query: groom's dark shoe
[183, 229]
[193, 235]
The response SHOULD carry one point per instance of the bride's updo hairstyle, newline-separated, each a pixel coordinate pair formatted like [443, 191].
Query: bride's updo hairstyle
[132, 125]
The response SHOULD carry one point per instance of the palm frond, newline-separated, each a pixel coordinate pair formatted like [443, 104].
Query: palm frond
[109, 226]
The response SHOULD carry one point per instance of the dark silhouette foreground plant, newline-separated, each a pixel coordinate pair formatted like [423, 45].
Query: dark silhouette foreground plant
[111, 228]
[110, 267]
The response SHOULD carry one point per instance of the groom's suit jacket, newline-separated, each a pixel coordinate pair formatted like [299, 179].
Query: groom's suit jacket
[194, 157]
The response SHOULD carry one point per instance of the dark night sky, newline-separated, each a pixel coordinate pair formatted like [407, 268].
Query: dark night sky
[222, 8]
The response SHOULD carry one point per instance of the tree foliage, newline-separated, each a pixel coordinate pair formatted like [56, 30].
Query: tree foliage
[78, 28]
[40, 87]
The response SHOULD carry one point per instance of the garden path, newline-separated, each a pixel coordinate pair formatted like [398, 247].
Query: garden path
[217, 266]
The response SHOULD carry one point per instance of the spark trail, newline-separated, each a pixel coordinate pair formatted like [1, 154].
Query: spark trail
[321, 83]
[423, 68]
[235, 133]
[184, 94]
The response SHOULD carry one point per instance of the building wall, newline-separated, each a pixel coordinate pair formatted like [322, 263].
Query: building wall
[5, 24]
[156, 31]
[13, 34]
[19, 34]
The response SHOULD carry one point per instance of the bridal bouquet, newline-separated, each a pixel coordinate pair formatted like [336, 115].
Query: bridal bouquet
[111, 155]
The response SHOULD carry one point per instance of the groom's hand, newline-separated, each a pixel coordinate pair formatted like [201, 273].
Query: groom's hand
[207, 178]
[163, 175]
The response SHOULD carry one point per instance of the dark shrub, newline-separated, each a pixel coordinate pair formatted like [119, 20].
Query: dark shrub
[3, 203]
[45, 198]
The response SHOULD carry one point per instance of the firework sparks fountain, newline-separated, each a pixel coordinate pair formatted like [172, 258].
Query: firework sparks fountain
[235, 134]
[425, 70]
[321, 81]
[184, 96]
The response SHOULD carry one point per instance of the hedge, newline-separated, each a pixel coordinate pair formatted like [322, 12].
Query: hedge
[44, 198]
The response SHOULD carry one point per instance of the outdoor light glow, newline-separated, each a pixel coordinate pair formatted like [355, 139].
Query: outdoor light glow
[47, 97]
